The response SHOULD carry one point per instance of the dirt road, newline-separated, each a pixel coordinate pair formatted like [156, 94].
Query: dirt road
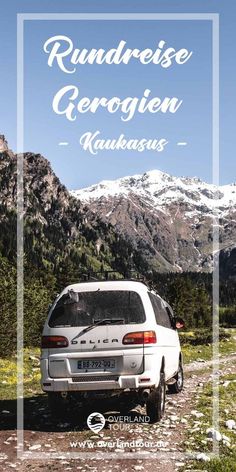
[137, 446]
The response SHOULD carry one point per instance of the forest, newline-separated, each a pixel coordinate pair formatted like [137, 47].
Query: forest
[190, 295]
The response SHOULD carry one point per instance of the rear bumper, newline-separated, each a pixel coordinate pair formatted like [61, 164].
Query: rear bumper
[83, 383]
[68, 385]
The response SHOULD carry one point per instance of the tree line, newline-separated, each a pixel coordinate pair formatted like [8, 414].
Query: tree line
[190, 295]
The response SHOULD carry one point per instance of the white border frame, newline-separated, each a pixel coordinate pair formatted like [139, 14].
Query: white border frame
[21, 17]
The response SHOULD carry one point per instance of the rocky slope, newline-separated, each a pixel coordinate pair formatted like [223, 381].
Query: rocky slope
[59, 235]
[169, 220]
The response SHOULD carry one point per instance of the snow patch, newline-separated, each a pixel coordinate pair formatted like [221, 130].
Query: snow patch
[161, 190]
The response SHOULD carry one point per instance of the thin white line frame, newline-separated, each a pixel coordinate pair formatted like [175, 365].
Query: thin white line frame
[21, 18]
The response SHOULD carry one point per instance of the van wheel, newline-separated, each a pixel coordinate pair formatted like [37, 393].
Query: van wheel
[155, 405]
[178, 385]
[56, 404]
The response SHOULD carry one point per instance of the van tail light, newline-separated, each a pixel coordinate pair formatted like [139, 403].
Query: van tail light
[140, 337]
[51, 342]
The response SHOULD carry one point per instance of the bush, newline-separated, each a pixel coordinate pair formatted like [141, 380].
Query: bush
[201, 336]
[7, 308]
[228, 316]
[39, 291]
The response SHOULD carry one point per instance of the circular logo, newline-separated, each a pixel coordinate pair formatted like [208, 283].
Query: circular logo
[96, 422]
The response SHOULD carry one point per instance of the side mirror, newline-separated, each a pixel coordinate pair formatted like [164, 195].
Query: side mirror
[179, 323]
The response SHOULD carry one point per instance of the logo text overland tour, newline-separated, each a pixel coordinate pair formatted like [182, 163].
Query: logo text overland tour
[96, 422]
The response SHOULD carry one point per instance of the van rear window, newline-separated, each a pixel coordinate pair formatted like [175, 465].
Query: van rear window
[86, 308]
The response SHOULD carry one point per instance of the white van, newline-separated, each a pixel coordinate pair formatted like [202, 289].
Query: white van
[107, 338]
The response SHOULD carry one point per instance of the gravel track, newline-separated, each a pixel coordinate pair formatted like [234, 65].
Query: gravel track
[41, 435]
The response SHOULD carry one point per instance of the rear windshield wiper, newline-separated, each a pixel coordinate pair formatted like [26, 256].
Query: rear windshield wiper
[97, 323]
[62, 326]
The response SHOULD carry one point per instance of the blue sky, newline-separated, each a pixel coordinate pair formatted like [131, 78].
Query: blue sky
[191, 82]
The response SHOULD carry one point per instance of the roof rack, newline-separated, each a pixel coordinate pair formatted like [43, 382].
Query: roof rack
[106, 275]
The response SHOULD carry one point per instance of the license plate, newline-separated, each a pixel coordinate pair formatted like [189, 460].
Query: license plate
[96, 364]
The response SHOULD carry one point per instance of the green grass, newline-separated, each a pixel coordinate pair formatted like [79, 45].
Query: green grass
[197, 441]
[204, 351]
[8, 374]
[223, 464]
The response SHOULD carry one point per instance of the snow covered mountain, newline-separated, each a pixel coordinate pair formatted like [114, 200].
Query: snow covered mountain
[169, 219]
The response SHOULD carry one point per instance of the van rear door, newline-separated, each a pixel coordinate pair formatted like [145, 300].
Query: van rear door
[96, 325]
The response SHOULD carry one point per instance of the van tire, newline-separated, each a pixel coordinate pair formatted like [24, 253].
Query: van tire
[179, 384]
[155, 405]
[56, 404]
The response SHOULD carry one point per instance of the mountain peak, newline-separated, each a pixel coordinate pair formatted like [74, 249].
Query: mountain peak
[4, 146]
[3, 143]
[162, 189]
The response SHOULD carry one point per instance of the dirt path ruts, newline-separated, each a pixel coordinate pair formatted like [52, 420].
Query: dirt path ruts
[45, 436]
[199, 365]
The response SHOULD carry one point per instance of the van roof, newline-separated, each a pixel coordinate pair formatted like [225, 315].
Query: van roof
[123, 284]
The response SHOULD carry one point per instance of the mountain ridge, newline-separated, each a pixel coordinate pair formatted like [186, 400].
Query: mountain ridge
[147, 222]
[59, 233]
[132, 183]
[167, 217]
